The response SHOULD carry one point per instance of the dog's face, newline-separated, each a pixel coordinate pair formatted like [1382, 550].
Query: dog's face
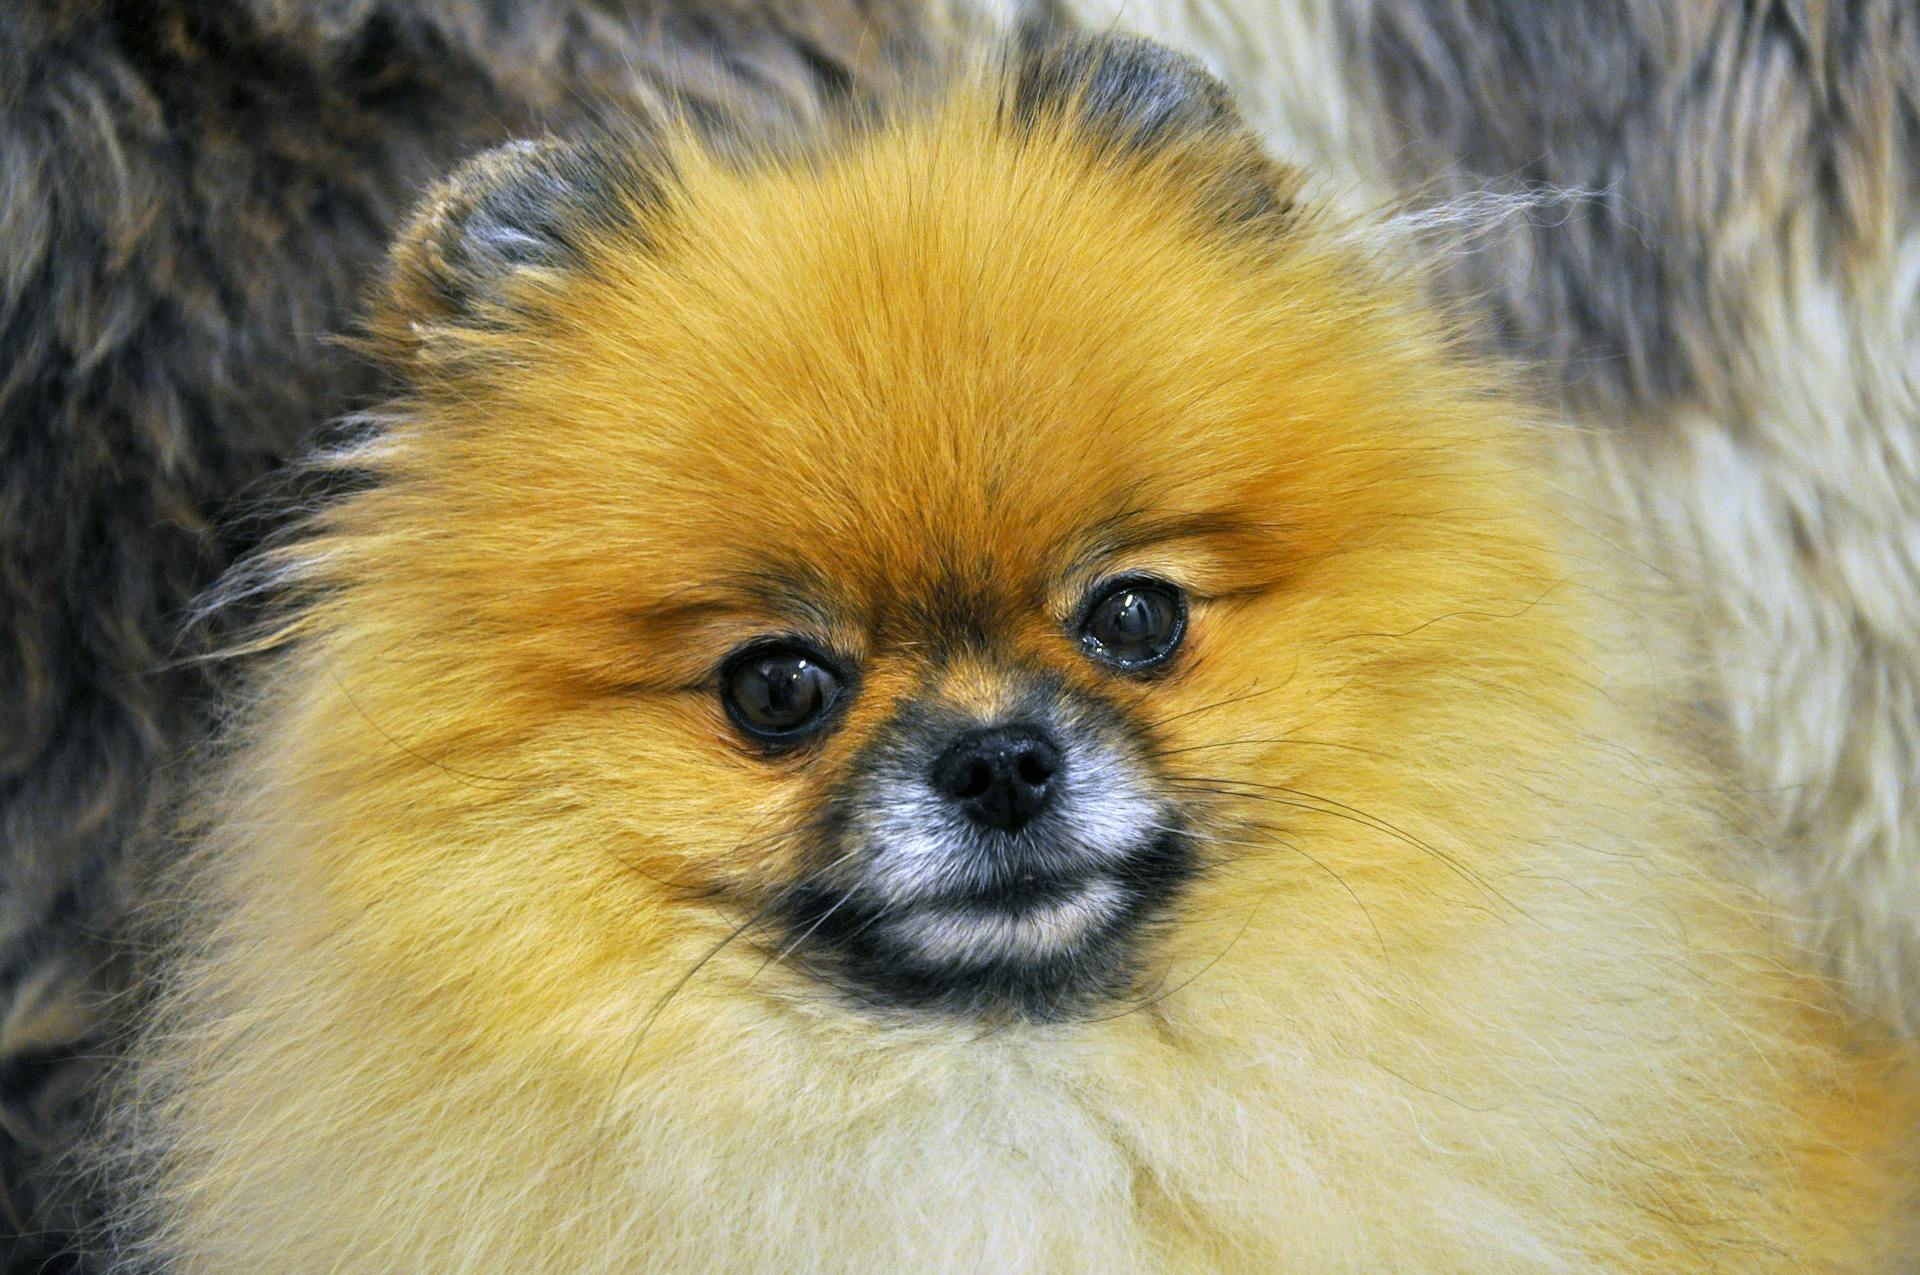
[965, 572]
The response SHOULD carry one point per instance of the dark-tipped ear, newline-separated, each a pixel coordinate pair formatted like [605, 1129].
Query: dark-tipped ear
[521, 209]
[1132, 92]
[1135, 99]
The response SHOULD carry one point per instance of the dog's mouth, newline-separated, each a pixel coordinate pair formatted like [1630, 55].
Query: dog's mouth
[1026, 920]
[1041, 945]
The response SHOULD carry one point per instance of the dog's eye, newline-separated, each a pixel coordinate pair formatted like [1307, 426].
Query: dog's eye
[777, 694]
[1134, 624]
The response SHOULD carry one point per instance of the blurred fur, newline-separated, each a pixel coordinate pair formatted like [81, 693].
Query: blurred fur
[475, 976]
[1733, 279]
[192, 196]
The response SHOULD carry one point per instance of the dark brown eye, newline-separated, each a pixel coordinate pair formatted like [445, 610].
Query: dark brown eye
[1134, 624]
[779, 693]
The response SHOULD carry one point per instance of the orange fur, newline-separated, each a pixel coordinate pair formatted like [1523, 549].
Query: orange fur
[1456, 988]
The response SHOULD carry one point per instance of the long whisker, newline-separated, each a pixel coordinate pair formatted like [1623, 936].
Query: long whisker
[1313, 802]
[1285, 843]
[1144, 1005]
[1256, 741]
[746, 846]
[846, 897]
[1158, 722]
[759, 914]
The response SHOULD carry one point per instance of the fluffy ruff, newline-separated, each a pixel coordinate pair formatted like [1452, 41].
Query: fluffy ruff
[478, 976]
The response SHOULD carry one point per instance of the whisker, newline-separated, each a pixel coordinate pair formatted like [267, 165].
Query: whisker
[1143, 1006]
[469, 778]
[1286, 844]
[1457, 615]
[846, 897]
[1251, 742]
[740, 847]
[1157, 723]
[759, 914]
[633, 1051]
[1251, 791]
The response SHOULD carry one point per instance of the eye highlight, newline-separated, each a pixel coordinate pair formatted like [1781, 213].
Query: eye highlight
[779, 693]
[1134, 624]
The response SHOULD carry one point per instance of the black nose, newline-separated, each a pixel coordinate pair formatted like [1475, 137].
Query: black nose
[1000, 776]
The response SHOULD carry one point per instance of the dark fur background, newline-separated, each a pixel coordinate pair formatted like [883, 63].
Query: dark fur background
[192, 193]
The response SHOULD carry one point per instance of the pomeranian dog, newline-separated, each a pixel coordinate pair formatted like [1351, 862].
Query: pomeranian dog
[989, 692]
[1721, 294]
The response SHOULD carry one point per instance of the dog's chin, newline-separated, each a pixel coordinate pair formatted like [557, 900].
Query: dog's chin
[1036, 947]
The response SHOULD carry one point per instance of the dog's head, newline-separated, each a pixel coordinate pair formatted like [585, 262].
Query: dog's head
[967, 565]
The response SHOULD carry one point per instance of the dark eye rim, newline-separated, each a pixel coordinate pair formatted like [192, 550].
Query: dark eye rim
[1106, 588]
[782, 644]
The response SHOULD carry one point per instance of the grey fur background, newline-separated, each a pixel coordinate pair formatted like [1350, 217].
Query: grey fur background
[192, 194]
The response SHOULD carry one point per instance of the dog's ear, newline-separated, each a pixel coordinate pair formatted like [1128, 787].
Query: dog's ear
[1134, 99]
[1130, 92]
[504, 221]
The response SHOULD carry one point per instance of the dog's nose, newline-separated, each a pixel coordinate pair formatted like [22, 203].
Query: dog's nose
[1000, 776]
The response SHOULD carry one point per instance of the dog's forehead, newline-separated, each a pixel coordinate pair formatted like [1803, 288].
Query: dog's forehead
[976, 487]
[920, 399]
[919, 509]
[939, 594]
[950, 580]
[926, 343]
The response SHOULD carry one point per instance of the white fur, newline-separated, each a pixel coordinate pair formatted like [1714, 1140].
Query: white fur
[953, 936]
[912, 845]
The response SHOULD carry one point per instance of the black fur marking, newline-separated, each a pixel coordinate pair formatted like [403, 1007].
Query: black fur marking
[532, 206]
[848, 940]
[843, 932]
[963, 613]
[1138, 99]
[1140, 95]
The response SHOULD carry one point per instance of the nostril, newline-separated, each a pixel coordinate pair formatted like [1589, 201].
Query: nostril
[1001, 776]
[974, 780]
[1034, 767]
